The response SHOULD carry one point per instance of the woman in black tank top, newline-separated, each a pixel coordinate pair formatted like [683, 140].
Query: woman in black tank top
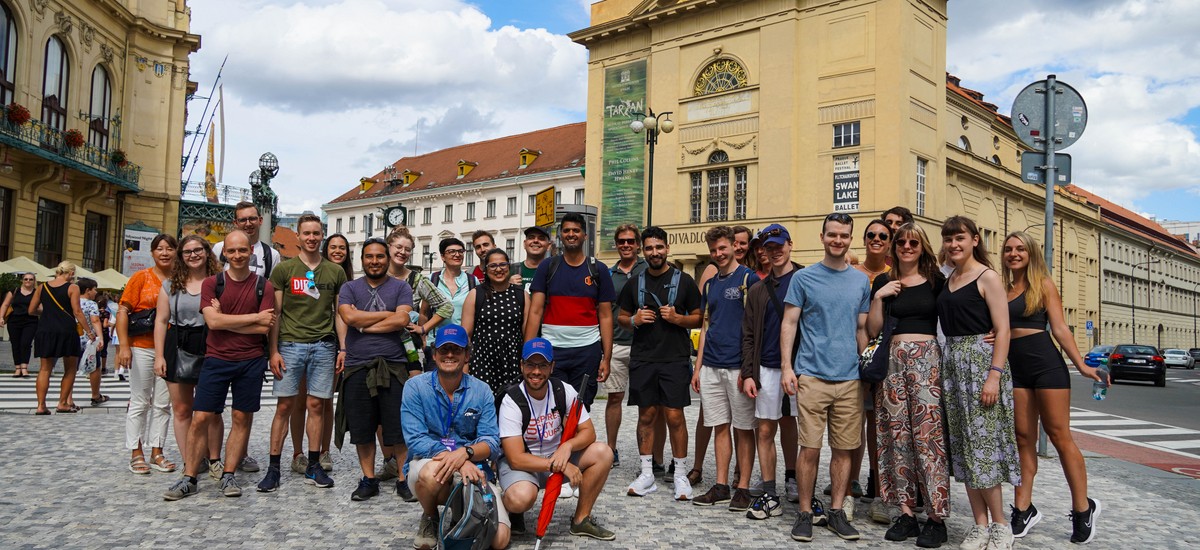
[1041, 382]
[977, 387]
[57, 336]
[21, 324]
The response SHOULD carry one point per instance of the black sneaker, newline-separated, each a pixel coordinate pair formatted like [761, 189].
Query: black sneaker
[818, 512]
[270, 482]
[768, 506]
[904, 527]
[840, 526]
[1023, 520]
[404, 492]
[367, 488]
[933, 534]
[1083, 524]
[716, 494]
[802, 528]
[517, 522]
[315, 475]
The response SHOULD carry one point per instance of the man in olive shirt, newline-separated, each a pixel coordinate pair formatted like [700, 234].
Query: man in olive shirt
[628, 266]
[304, 347]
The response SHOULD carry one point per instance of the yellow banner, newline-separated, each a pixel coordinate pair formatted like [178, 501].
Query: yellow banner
[210, 177]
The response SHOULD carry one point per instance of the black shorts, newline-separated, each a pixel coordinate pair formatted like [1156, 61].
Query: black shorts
[660, 384]
[1037, 364]
[365, 413]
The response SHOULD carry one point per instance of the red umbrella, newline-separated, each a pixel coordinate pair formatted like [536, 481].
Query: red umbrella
[554, 483]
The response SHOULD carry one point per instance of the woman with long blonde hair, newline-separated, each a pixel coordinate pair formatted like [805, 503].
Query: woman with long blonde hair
[57, 335]
[1042, 383]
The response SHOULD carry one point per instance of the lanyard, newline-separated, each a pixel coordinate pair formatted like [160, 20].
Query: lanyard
[453, 413]
[540, 426]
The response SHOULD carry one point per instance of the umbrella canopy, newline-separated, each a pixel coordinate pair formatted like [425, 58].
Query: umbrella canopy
[22, 264]
[111, 279]
[554, 483]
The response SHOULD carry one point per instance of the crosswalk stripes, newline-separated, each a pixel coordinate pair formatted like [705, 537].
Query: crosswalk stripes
[1172, 439]
[21, 393]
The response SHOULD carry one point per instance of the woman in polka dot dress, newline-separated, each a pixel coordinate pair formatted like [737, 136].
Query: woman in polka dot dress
[494, 322]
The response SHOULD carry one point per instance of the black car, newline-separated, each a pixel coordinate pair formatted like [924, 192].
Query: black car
[1195, 353]
[1131, 361]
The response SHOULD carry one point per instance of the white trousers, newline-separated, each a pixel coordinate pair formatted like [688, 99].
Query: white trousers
[149, 403]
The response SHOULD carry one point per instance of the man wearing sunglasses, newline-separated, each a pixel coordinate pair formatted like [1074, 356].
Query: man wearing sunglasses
[660, 307]
[629, 265]
[304, 347]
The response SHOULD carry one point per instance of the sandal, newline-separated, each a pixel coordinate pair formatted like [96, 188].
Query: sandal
[42, 413]
[160, 463]
[694, 476]
[103, 399]
[138, 465]
[72, 409]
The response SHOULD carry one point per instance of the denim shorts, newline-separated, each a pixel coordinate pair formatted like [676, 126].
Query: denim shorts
[313, 362]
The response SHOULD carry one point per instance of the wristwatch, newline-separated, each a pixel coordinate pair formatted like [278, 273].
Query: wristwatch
[470, 452]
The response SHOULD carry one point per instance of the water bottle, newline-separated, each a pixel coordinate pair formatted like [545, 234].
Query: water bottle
[1100, 389]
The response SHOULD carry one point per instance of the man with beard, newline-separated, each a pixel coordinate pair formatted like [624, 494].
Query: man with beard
[629, 265]
[375, 309]
[482, 242]
[571, 304]
[828, 303]
[660, 306]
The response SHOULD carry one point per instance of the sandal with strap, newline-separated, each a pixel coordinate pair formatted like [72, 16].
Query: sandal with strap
[160, 463]
[694, 476]
[102, 399]
[138, 465]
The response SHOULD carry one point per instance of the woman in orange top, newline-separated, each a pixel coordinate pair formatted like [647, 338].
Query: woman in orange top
[149, 399]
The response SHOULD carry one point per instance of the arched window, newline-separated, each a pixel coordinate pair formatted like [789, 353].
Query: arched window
[8, 54]
[964, 143]
[717, 189]
[718, 157]
[719, 76]
[101, 103]
[54, 85]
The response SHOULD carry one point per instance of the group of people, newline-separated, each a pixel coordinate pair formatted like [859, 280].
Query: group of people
[452, 375]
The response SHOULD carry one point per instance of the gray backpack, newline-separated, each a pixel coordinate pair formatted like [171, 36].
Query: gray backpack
[469, 520]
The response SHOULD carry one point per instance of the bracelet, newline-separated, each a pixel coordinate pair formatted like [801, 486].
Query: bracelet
[997, 369]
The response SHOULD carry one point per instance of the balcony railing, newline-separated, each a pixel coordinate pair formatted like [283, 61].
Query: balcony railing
[41, 140]
[226, 194]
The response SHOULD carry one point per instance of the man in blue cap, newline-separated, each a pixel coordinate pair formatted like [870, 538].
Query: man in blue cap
[532, 415]
[449, 422]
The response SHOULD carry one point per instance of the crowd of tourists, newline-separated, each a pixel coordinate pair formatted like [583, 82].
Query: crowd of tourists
[454, 375]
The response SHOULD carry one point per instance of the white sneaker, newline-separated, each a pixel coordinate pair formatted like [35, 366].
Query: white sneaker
[1001, 537]
[976, 539]
[880, 511]
[643, 485]
[793, 491]
[756, 488]
[683, 488]
[848, 507]
[567, 492]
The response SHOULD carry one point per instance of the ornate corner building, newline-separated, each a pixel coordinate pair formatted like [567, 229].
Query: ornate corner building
[93, 97]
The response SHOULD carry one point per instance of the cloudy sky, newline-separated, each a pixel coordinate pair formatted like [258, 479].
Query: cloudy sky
[339, 88]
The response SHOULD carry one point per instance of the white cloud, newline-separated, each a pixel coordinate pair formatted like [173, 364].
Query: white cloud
[1133, 61]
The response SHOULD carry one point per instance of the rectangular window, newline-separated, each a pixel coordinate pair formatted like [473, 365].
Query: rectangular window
[6, 198]
[367, 224]
[718, 195]
[510, 246]
[48, 239]
[922, 165]
[697, 190]
[491, 208]
[469, 259]
[740, 175]
[339, 225]
[449, 214]
[512, 207]
[428, 215]
[95, 240]
[532, 204]
[557, 198]
[353, 221]
[379, 222]
[846, 135]
[579, 196]
[427, 256]
[470, 210]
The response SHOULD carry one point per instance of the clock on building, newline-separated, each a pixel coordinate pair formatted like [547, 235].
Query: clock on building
[395, 216]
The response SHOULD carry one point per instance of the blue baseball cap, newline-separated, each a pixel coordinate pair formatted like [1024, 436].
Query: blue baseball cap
[538, 346]
[774, 234]
[451, 334]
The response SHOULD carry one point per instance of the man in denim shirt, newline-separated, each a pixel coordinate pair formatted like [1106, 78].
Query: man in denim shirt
[449, 422]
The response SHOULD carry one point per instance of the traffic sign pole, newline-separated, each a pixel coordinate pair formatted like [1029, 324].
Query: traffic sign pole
[1048, 244]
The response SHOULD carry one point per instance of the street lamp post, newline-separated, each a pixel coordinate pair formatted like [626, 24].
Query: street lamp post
[428, 261]
[264, 198]
[1133, 294]
[652, 125]
[1195, 295]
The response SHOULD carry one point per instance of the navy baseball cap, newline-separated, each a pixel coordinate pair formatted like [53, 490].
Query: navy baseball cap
[774, 234]
[537, 229]
[538, 346]
[451, 334]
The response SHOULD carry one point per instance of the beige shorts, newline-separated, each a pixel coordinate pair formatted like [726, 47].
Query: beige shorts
[414, 473]
[837, 405]
[618, 370]
[722, 401]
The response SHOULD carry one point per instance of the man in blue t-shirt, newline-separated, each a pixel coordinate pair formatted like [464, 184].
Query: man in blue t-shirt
[718, 367]
[572, 308]
[829, 302]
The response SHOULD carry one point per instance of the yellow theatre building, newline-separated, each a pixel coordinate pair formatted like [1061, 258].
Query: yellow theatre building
[787, 110]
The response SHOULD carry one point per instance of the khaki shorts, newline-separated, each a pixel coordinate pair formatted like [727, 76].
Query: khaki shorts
[618, 370]
[723, 401]
[834, 404]
[414, 473]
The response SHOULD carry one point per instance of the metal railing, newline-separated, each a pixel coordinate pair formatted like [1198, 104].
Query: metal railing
[226, 194]
[49, 143]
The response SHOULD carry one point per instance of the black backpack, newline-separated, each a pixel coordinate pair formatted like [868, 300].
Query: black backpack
[470, 519]
[436, 277]
[518, 397]
[267, 259]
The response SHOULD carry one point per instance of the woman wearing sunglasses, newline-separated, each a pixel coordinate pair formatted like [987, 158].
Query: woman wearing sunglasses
[21, 323]
[493, 315]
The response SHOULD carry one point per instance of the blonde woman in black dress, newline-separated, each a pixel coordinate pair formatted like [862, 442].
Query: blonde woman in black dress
[57, 335]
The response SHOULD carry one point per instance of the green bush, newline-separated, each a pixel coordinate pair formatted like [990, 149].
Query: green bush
[8, 282]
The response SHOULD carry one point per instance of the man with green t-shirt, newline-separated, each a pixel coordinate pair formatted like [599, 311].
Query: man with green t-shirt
[537, 246]
[305, 347]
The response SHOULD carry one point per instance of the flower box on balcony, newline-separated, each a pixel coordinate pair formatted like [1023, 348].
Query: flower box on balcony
[17, 114]
[73, 138]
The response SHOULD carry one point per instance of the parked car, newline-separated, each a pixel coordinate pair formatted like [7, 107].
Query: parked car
[1178, 358]
[1132, 361]
[1098, 356]
[1195, 353]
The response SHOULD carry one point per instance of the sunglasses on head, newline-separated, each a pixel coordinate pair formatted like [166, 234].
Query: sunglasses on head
[871, 235]
[768, 234]
[839, 217]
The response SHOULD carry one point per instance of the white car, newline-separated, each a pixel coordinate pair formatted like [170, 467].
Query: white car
[1178, 358]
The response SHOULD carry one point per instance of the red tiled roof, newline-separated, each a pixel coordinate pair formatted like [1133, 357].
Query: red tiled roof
[561, 147]
[955, 85]
[1116, 214]
[286, 241]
